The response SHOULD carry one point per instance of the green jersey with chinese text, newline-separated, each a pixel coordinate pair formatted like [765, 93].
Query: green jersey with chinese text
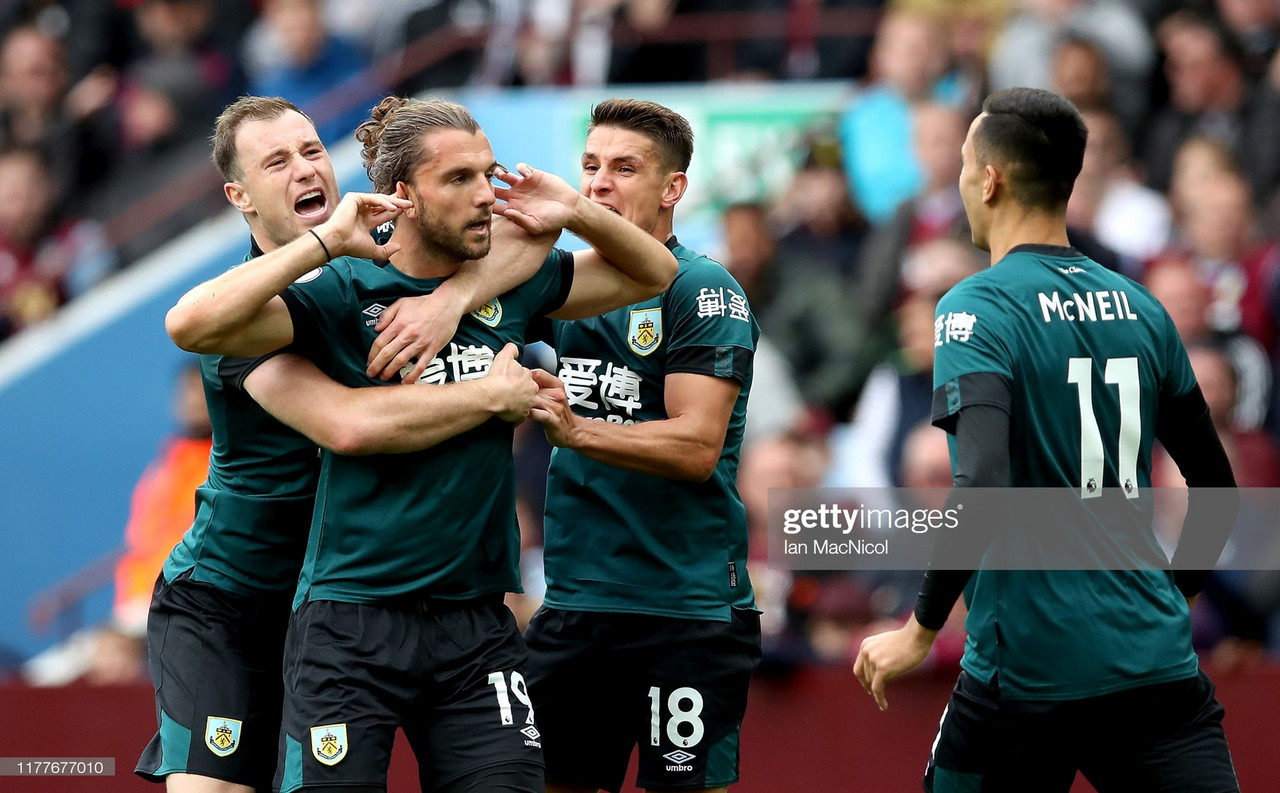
[1089, 356]
[438, 523]
[622, 541]
[254, 510]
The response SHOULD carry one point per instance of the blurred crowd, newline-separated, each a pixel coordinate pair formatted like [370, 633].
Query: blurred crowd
[1180, 191]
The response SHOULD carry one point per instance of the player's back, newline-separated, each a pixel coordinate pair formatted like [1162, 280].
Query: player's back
[1088, 355]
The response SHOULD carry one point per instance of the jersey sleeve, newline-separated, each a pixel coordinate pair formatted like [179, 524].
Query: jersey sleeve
[233, 371]
[317, 306]
[547, 290]
[972, 363]
[712, 329]
[1179, 378]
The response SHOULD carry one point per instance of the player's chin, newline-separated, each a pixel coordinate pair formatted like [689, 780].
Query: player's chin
[478, 249]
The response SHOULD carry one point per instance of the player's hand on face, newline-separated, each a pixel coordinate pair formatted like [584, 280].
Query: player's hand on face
[515, 388]
[887, 655]
[536, 201]
[551, 408]
[348, 231]
[413, 327]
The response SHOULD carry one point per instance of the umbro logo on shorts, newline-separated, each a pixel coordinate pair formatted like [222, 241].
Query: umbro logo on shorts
[679, 757]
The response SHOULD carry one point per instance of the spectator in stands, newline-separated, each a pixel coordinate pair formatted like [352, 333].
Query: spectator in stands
[1231, 259]
[817, 218]
[170, 94]
[45, 258]
[803, 308]
[1256, 23]
[1024, 52]
[936, 212]
[1173, 281]
[909, 63]
[1108, 200]
[163, 503]
[319, 71]
[1209, 95]
[74, 130]
[899, 392]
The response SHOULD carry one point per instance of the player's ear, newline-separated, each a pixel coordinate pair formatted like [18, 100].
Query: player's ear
[238, 197]
[992, 180]
[402, 191]
[677, 183]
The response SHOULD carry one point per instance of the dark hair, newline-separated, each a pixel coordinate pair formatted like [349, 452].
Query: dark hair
[669, 130]
[236, 115]
[1039, 138]
[392, 136]
[1208, 20]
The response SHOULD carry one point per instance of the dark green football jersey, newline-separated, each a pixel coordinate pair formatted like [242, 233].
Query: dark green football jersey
[621, 541]
[437, 523]
[254, 511]
[1090, 356]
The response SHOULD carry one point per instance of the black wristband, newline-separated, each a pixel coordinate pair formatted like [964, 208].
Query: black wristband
[327, 256]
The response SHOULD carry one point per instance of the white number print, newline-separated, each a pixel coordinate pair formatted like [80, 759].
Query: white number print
[679, 716]
[1122, 373]
[499, 682]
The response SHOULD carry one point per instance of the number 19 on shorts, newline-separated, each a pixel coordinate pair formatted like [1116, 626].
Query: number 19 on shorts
[684, 707]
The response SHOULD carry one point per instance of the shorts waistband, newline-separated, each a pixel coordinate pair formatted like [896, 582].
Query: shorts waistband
[434, 605]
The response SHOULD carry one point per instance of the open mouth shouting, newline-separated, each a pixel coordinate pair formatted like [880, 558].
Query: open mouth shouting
[480, 227]
[311, 204]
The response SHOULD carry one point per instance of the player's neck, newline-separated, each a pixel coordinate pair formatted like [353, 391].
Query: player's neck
[1019, 226]
[663, 230]
[418, 260]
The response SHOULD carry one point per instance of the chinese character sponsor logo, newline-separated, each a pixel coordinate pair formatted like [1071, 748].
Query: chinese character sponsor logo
[580, 378]
[462, 361]
[644, 332]
[222, 736]
[620, 388]
[490, 313]
[713, 303]
[329, 743]
[953, 326]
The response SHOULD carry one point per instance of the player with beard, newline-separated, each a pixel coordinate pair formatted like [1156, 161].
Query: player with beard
[221, 606]
[410, 555]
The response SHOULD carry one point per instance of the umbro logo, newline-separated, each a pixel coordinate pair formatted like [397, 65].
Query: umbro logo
[679, 756]
[373, 311]
[531, 732]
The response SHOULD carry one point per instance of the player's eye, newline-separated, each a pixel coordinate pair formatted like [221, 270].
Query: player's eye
[590, 168]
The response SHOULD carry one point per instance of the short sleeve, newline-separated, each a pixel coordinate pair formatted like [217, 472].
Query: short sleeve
[1179, 378]
[317, 304]
[972, 363]
[547, 290]
[712, 330]
[233, 371]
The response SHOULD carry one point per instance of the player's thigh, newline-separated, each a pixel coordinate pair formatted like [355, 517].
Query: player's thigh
[215, 663]
[984, 745]
[589, 699]
[474, 712]
[349, 677]
[1168, 739]
[696, 693]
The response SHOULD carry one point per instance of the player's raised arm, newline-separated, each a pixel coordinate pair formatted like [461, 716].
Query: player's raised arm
[625, 265]
[237, 313]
